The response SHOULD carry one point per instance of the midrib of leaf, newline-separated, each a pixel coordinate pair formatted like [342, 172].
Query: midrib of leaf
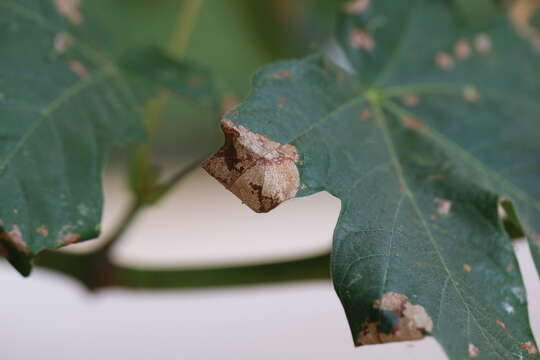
[392, 153]
[356, 100]
[45, 113]
[475, 162]
[381, 77]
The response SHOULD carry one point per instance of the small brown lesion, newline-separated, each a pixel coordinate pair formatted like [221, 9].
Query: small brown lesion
[14, 239]
[70, 9]
[361, 39]
[414, 124]
[355, 7]
[529, 347]
[412, 324]
[259, 171]
[71, 238]
[42, 230]
[473, 351]
[282, 74]
[521, 15]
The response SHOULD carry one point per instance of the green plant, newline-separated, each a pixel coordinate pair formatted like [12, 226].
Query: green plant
[428, 135]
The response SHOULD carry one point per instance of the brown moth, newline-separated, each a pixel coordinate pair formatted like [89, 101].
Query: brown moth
[259, 171]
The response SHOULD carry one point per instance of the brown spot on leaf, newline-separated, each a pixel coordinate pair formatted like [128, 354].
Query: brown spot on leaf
[482, 43]
[414, 123]
[282, 100]
[444, 61]
[78, 68]
[42, 230]
[462, 49]
[443, 206]
[70, 9]
[410, 100]
[471, 94]
[282, 74]
[71, 238]
[501, 324]
[413, 321]
[15, 238]
[62, 42]
[364, 114]
[521, 15]
[356, 7]
[473, 351]
[467, 267]
[361, 39]
[259, 171]
[529, 347]
[433, 217]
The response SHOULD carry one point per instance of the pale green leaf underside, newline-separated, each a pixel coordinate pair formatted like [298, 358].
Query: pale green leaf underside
[419, 183]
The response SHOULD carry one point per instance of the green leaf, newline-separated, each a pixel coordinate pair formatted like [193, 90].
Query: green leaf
[63, 106]
[436, 126]
[66, 98]
[153, 70]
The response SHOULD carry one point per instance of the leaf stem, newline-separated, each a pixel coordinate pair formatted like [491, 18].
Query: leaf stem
[125, 222]
[189, 12]
[76, 266]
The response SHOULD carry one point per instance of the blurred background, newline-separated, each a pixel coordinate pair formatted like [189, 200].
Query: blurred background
[49, 316]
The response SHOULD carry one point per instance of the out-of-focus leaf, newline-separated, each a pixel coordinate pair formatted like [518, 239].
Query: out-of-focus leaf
[153, 70]
[63, 106]
[65, 100]
[436, 126]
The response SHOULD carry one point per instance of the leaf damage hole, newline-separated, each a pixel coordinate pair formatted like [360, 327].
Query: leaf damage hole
[411, 321]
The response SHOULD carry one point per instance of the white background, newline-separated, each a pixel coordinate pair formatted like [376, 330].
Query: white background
[48, 316]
